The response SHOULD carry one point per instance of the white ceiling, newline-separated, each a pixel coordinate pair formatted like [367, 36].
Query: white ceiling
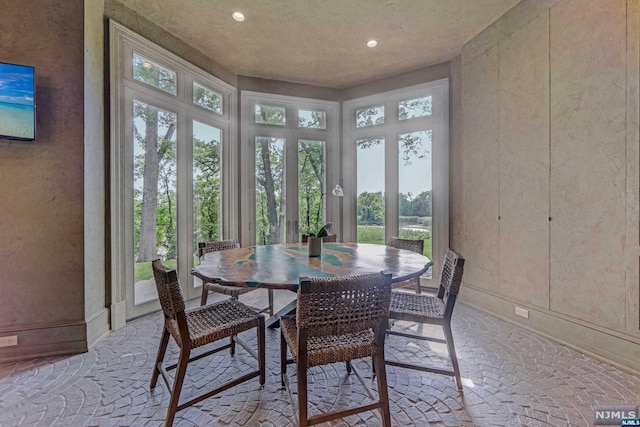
[323, 42]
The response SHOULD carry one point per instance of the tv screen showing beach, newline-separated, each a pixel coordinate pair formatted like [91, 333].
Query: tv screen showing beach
[17, 102]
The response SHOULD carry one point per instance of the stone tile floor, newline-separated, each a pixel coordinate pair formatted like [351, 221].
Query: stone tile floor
[511, 377]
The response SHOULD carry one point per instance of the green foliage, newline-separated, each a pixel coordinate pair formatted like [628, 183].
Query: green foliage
[410, 233]
[414, 145]
[207, 98]
[425, 220]
[418, 206]
[370, 208]
[206, 191]
[153, 74]
[270, 115]
[409, 219]
[143, 270]
[311, 182]
[366, 234]
[270, 200]
[323, 231]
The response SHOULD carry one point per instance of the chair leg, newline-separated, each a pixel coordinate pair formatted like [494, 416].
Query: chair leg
[270, 302]
[283, 359]
[205, 295]
[383, 392]
[418, 290]
[452, 353]
[232, 343]
[261, 351]
[164, 340]
[303, 416]
[348, 366]
[181, 370]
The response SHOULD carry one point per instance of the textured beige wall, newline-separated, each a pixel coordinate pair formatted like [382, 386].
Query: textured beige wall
[588, 142]
[524, 164]
[41, 184]
[481, 190]
[548, 130]
[96, 313]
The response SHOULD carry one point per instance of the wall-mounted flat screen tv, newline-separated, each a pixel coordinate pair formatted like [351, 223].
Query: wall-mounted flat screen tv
[17, 102]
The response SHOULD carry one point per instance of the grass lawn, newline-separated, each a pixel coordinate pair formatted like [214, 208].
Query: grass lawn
[145, 272]
[375, 235]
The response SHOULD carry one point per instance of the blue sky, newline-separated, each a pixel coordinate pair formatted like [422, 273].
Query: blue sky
[16, 84]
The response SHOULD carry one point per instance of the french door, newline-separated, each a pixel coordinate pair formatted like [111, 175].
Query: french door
[396, 168]
[172, 183]
[290, 164]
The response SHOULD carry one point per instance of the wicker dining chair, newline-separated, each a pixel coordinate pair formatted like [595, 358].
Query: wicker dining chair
[331, 238]
[338, 319]
[233, 291]
[414, 245]
[197, 327]
[432, 309]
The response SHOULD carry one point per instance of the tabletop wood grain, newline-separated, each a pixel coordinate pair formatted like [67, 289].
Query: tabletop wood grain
[281, 266]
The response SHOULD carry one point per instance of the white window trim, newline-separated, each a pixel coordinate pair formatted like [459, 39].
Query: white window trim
[250, 130]
[122, 42]
[438, 121]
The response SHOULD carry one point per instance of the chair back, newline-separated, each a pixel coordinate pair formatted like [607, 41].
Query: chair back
[218, 245]
[169, 292]
[451, 276]
[343, 304]
[415, 245]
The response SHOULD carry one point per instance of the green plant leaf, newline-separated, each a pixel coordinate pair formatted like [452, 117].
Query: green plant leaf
[325, 230]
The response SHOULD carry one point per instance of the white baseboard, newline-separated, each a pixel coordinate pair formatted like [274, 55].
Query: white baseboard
[615, 348]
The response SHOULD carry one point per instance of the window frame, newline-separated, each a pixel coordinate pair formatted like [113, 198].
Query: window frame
[438, 122]
[292, 133]
[122, 43]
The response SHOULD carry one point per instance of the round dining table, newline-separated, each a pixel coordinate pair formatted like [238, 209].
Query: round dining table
[281, 266]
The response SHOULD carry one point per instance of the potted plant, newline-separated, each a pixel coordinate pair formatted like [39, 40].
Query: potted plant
[315, 240]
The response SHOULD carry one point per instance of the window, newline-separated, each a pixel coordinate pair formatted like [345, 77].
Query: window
[396, 167]
[207, 98]
[173, 134]
[292, 163]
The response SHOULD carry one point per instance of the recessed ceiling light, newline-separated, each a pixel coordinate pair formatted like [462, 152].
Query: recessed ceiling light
[238, 16]
[372, 43]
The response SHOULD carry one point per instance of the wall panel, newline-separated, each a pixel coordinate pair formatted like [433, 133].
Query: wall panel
[588, 160]
[480, 109]
[524, 164]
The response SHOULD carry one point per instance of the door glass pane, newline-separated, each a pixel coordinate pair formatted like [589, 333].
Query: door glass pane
[270, 115]
[415, 186]
[207, 98]
[270, 191]
[311, 186]
[207, 141]
[154, 192]
[370, 204]
[155, 75]
[370, 116]
[312, 119]
[411, 108]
